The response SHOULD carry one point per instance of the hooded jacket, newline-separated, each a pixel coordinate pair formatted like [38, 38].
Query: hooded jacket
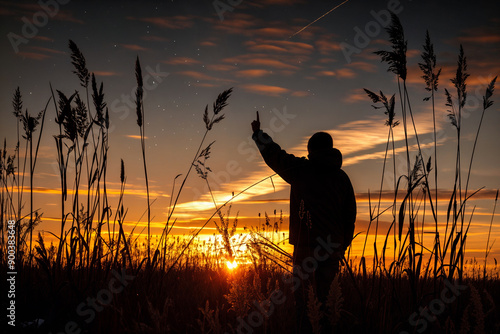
[322, 201]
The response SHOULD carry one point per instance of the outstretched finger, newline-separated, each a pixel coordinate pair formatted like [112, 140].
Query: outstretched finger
[258, 120]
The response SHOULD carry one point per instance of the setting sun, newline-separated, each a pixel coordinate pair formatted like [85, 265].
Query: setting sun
[231, 265]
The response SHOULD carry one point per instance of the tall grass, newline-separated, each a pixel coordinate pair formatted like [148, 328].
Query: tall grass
[140, 122]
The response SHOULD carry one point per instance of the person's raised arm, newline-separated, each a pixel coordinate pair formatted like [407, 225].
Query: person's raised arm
[286, 165]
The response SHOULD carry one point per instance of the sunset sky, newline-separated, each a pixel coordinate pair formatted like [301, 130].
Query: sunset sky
[301, 83]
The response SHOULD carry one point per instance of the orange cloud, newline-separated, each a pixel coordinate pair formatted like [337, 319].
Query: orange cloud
[33, 55]
[357, 95]
[346, 73]
[195, 75]
[341, 73]
[134, 136]
[133, 47]
[260, 180]
[274, 32]
[259, 60]
[368, 134]
[105, 73]
[486, 39]
[326, 47]
[265, 48]
[43, 38]
[155, 38]
[265, 89]
[220, 67]
[481, 76]
[363, 66]
[413, 53]
[208, 43]
[252, 73]
[236, 23]
[326, 73]
[301, 93]
[181, 61]
[109, 191]
[46, 50]
[279, 46]
[326, 60]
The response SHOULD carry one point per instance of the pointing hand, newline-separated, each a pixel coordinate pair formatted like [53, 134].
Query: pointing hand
[256, 124]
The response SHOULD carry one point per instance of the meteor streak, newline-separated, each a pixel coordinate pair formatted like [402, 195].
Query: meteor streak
[319, 18]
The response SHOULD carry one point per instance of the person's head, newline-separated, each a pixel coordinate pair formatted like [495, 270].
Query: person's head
[320, 141]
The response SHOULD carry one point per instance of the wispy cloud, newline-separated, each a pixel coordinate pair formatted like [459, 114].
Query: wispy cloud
[83, 191]
[301, 93]
[252, 73]
[105, 73]
[357, 95]
[279, 46]
[39, 53]
[365, 139]
[363, 66]
[134, 47]
[340, 73]
[486, 39]
[259, 60]
[265, 89]
[208, 43]
[272, 32]
[327, 47]
[256, 184]
[153, 38]
[236, 23]
[134, 136]
[220, 67]
[33, 55]
[481, 74]
[181, 61]
[326, 73]
[46, 50]
[43, 38]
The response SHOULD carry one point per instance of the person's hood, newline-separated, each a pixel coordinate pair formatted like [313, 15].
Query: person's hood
[330, 158]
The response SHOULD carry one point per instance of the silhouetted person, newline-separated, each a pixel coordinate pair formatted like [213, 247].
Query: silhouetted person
[322, 213]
